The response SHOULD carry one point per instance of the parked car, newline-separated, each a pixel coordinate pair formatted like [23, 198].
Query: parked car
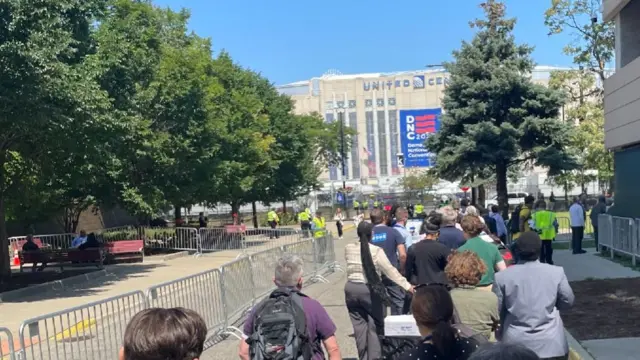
[507, 256]
[515, 198]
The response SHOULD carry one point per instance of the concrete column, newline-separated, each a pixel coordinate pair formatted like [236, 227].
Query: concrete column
[346, 125]
[335, 118]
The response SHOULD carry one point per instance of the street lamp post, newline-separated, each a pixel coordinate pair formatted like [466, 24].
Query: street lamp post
[343, 157]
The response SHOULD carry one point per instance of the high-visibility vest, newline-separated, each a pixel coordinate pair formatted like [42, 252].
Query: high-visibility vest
[356, 204]
[272, 216]
[419, 209]
[376, 204]
[303, 216]
[320, 227]
[365, 204]
[544, 222]
[308, 211]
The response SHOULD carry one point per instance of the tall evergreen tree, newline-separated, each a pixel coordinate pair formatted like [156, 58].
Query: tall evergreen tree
[495, 117]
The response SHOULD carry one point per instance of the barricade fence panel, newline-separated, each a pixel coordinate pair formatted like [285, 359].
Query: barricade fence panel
[179, 238]
[6, 351]
[605, 234]
[93, 331]
[624, 233]
[200, 292]
[237, 288]
[306, 251]
[262, 267]
[44, 241]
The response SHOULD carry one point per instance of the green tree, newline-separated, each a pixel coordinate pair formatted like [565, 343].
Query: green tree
[417, 185]
[495, 116]
[47, 93]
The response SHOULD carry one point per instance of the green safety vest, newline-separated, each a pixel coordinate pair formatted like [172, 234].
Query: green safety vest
[320, 227]
[303, 216]
[419, 208]
[356, 204]
[376, 204]
[272, 216]
[544, 222]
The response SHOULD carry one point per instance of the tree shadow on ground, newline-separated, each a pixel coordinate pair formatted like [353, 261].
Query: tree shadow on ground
[75, 282]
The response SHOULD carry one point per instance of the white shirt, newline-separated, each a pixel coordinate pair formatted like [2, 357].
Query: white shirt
[576, 215]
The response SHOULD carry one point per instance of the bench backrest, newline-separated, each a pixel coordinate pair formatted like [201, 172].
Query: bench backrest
[124, 246]
[17, 245]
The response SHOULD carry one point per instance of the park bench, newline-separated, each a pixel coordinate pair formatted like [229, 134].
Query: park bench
[17, 245]
[62, 258]
[125, 250]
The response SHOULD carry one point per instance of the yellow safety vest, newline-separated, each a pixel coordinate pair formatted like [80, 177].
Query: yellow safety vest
[272, 216]
[419, 209]
[303, 216]
[365, 204]
[356, 204]
[544, 223]
[376, 204]
[320, 227]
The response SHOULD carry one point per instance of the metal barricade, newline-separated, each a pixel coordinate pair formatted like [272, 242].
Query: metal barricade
[624, 237]
[306, 251]
[261, 239]
[179, 238]
[45, 241]
[200, 292]
[262, 267]
[237, 292]
[218, 239]
[93, 331]
[605, 231]
[6, 345]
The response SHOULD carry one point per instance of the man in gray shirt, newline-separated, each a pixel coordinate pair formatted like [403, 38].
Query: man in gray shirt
[530, 305]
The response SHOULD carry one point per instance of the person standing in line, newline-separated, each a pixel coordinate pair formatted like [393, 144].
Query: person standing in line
[273, 220]
[530, 306]
[500, 224]
[500, 351]
[546, 226]
[402, 215]
[393, 244]
[339, 219]
[365, 294]
[488, 252]
[356, 207]
[427, 259]
[577, 218]
[552, 202]
[450, 235]
[596, 211]
[319, 228]
[491, 223]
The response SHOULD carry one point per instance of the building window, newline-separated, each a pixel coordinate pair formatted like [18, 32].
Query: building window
[333, 170]
[391, 101]
[355, 148]
[352, 104]
[340, 104]
[395, 149]
[315, 87]
[329, 105]
[382, 142]
[380, 102]
[368, 103]
[370, 158]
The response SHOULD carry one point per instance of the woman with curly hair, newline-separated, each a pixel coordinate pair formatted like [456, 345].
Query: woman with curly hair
[476, 308]
[487, 251]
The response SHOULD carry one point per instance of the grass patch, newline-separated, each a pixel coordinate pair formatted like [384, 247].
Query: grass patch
[622, 259]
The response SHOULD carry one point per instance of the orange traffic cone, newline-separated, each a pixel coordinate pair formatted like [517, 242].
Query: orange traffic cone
[16, 258]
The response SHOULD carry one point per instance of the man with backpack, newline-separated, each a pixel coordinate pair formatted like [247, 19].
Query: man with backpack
[288, 325]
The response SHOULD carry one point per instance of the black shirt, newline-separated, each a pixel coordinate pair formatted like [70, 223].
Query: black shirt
[30, 246]
[426, 261]
[427, 351]
[491, 223]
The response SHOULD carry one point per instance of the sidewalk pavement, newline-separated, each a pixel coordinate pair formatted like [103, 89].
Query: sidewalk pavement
[590, 266]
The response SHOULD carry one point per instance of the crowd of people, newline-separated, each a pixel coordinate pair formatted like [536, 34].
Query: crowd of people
[450, 277]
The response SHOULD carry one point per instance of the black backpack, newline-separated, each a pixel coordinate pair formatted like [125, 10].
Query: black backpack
[280, 328]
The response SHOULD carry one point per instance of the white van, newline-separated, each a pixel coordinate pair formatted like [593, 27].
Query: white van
[515, 198]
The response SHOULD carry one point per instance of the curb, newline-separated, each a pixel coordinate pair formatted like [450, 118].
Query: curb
[57, 285]
[575, 346]
[175, 255]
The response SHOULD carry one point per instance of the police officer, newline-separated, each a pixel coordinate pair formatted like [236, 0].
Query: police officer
[419, 210]
[273, 220]
[319, 227]
[356, 206]
[304, 217]
[376, 204]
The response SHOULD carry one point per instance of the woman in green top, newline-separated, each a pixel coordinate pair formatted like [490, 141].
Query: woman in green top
[487, 251]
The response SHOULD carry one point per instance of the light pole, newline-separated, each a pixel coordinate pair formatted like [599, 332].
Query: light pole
[343, 157]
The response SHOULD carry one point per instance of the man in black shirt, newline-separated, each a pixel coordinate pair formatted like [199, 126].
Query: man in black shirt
[30, 245]
[427, 259]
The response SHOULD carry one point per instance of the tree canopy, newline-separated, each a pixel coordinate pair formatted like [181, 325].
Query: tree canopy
[495, 117]
[115, 102]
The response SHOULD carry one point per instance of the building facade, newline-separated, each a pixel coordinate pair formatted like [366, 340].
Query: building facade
[392, 113]
[622, 105]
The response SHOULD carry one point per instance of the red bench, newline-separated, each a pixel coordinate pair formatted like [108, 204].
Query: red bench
[62, 258]
[125, 250]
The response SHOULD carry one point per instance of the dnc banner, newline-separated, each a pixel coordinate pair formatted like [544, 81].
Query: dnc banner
[415, 127]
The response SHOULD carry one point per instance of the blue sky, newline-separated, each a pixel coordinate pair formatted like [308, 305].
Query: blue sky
[288, 40]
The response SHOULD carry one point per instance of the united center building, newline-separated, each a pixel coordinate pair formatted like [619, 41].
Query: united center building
[393, 113]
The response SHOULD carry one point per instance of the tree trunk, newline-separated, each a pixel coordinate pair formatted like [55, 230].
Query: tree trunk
[566, 193]
[284, 206]
[501, 189]
[177, 212]
[5, 266]
[254, 212]
[234, 209]
[474, 196]
[482, 195]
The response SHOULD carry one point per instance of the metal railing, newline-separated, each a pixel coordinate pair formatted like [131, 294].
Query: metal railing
[620, 235]
[51, 241]
[221, 296]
